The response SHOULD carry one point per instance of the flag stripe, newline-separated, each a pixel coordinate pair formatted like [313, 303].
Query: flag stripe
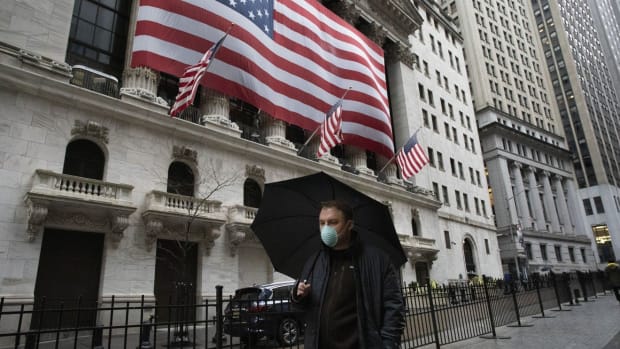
[302, 78]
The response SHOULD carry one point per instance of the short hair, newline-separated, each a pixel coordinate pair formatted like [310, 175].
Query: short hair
[341, 206]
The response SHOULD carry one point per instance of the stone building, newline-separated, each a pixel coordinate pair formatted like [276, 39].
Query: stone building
[583, 77]
[538, 212]
[97, 180]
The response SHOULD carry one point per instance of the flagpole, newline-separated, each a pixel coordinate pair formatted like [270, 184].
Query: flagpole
[318, 127]
[396, 154]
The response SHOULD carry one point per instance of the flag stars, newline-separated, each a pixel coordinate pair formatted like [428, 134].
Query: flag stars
[251, 15]
[232, 3]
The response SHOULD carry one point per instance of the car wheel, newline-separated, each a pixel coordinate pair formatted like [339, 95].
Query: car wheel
[288, 332]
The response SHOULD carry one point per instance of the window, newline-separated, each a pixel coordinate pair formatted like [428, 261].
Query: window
[571, 254]
[440, 160]
[461, 173]
[434, 122]
[181, 179]
[486, 246]
[484, 208]
[436, 191]
[587, 205]
[558, 252]
[431, 156]
[477, 206]
[453, 167]
[98, 35]
[583, 255]
[598, 203]
[457, 195]
[446, 198]
[543, 252]
[446, 235]
[425, 118]
[466, 202]
[84, 158]
[528, 251]
[421, 92]
[252, 193]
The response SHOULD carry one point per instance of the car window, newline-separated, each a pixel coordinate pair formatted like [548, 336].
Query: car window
[281, 292]
[247, 294]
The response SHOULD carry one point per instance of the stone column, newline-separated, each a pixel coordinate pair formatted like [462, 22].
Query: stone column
[520, 197]
[139, 83]
[313, 147]
[215, 109]
[357, 158]
[499, 181]
[575, 209]
[550, 204]
[565, 218]
[275, 131]
[539, 217]
[390, 173]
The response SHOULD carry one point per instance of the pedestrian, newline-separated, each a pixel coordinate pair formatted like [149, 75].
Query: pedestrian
[612, 271]
[350, 290]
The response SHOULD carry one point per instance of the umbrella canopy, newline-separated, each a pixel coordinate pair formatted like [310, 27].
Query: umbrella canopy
[287, 221]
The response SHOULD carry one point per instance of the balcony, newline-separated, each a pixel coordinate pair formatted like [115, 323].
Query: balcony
[180, 217]
[238, 227]
[418, 249]
[94, 80]
[65, 201]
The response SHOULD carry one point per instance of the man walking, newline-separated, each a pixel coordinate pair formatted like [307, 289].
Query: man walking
[350, 290]
[612, 271]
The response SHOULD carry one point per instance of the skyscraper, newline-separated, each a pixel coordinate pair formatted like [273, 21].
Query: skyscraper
[539, 216]
[589, 110]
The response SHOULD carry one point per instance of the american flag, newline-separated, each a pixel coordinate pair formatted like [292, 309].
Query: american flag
[285, 57]
[331, 129]
[411, 158]
[188, 84]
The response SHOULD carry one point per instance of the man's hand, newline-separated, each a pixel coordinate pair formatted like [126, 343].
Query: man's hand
[303, 289]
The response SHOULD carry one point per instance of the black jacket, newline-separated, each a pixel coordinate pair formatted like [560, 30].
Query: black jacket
[380, 302]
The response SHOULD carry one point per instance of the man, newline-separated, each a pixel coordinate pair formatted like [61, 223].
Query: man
[613, 276]
[350, 290]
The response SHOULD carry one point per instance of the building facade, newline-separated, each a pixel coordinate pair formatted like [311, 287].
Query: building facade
[589, 109]
[539, 216]
[606, 19]
[447, 128]
[98, 183]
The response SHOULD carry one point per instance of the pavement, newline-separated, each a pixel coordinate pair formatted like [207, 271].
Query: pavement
[593, 325]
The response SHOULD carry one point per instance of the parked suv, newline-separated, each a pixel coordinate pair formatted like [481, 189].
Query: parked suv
[264, 311]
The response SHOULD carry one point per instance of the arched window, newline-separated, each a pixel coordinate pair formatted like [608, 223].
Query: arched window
[470, 264]
[180, 179]
[84, 158]
[252, 193]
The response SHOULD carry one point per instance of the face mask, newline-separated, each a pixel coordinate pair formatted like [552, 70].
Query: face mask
[329, 236]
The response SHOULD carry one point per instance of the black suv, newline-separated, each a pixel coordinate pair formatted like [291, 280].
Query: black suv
[263, 311]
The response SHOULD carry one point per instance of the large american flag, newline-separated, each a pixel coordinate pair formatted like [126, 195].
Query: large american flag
[331, 129]
[289, 58]
[411, 158]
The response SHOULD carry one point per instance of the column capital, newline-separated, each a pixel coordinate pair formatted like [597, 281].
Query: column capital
[515, 164]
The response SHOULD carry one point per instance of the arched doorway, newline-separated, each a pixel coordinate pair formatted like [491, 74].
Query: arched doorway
[470, 263]
[421, 272]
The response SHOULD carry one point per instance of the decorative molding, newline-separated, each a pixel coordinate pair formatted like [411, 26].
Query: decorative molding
[185, 153]
[402, 53]
[37, 212]
[141, 83]
[90, 129]
[78, 219]
[153, 228]
[238, 233]
[118, 223]
[346, 10]
[255, 171]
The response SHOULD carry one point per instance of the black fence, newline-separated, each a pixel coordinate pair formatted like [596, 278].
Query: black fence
[434, 315]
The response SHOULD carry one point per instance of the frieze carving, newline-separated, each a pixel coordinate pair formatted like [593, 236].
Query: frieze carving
[255, 171]
[346, 10]
[37, 213]
[185, 153]
[79, 220]
[402, 53]
[90, 129]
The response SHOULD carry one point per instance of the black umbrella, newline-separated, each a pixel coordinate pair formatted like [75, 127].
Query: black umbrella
[287, 221]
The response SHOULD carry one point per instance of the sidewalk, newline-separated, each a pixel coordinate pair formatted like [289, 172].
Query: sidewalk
[593, 325]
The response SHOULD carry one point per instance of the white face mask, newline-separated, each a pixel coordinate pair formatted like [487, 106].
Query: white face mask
[329, 236]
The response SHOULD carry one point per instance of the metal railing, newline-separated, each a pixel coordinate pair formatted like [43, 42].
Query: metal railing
[436, 315]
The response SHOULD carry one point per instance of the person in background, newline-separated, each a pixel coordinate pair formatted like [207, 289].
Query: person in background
[351, 291]
[612, 271]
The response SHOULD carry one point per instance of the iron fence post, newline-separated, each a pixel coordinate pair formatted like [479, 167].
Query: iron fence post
[490, 310]
[433, 315]
[219, 319]
[513, 291]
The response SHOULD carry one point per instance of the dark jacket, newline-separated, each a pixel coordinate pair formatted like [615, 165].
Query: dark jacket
[613, 274]
[380, 303]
